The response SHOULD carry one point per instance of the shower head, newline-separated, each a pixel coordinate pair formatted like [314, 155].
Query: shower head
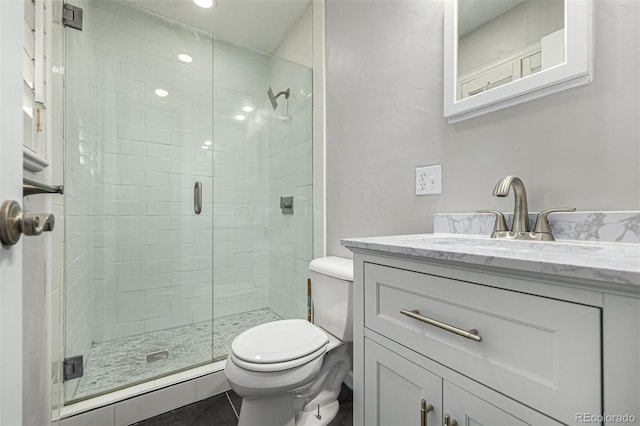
[273, 97]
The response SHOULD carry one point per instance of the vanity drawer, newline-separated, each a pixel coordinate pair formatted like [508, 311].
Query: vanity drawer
[542, 352]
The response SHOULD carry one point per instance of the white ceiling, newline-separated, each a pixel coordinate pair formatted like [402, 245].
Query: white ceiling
[258, 24]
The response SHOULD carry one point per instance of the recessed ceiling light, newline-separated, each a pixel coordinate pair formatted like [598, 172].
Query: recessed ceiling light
[204, 147]
[207, 143]
[185, 58]
[247, 108]
[204, 3]
[240, 117]
[161, 92]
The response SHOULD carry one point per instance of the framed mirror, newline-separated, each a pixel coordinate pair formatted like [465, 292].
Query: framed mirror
[499, 53]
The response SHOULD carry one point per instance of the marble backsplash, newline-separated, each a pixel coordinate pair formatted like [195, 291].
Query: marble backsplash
[618, 227]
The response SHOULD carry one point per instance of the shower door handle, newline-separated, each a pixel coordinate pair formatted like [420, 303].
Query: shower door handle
[197, 197]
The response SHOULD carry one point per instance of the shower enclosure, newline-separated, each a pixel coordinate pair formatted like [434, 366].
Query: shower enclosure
[154, 110]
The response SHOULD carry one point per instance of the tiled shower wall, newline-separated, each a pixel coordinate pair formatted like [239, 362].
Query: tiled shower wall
[290, 174]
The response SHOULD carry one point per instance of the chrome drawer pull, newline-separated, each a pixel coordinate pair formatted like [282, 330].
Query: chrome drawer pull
[469, 334]
[448, 421]
[424, 410]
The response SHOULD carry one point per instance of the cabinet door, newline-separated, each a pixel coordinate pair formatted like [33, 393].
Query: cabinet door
[468, 409]
[395, 388]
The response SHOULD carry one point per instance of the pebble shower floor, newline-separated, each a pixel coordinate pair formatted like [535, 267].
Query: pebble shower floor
[116, 363]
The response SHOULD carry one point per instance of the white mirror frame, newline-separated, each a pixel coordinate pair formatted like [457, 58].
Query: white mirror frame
[575, 71]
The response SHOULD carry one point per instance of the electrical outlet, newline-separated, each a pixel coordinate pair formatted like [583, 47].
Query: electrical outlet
[429, 180]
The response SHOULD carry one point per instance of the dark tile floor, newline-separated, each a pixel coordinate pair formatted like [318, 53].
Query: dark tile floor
[221, 410]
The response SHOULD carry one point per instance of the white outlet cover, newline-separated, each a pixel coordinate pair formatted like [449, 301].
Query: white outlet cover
[429, 180]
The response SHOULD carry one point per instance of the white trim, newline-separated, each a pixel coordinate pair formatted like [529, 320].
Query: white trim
[11, 134]
[32, 161]
[575, 71]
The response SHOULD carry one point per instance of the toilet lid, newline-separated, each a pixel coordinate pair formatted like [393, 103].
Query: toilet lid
[278, 341]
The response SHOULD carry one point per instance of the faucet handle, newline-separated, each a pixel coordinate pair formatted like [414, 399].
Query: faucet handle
[500, 224]
[542, 222]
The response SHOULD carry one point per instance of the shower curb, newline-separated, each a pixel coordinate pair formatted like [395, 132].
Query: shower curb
[143, 401]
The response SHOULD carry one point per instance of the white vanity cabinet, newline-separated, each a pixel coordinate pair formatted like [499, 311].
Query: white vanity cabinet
[398, 391]
[540, 349]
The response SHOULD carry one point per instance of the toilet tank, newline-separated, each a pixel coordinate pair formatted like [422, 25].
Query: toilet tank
[331, 294]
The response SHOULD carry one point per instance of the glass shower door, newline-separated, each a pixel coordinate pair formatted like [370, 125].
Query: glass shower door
[138, 262]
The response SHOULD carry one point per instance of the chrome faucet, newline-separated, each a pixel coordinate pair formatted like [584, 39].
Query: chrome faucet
[520, 226]
[520, 210]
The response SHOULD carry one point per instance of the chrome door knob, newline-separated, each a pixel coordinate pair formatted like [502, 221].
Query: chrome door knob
[14, 223]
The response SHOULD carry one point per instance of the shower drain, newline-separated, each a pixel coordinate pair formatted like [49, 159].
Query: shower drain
[157, 356]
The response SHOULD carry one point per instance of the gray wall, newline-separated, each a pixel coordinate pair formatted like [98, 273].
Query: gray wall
[578, 148]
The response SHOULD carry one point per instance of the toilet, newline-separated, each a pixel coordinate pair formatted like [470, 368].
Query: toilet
[290, 372]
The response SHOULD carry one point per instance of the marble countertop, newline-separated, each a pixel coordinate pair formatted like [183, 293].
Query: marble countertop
[615, 263]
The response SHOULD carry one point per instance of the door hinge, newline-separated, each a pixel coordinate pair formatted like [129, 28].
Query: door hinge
[72, 368]
[39, 120]
[72, 16]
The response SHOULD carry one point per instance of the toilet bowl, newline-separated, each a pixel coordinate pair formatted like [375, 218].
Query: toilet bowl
[290, 372]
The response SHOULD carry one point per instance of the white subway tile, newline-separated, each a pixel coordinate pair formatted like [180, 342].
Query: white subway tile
[170, 265]
[169, 321]
[170, 237]
[113, 208]
[153, 77]
[122, 177]
[144, 45]
[167, 294]
[194, 277]
[203, 315]
[142, 103]
[100, 334]
[190, 304]
[129, 314]
[108, 286]
[104, 318]
[164, 122]
[118, 269]
[120, 238]
[203, 102]
[201, 82]
[157, 179]
[144, 134]
[117, 301]
[192, 249]
[148, 281]
[124, 146]
[108, 49]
